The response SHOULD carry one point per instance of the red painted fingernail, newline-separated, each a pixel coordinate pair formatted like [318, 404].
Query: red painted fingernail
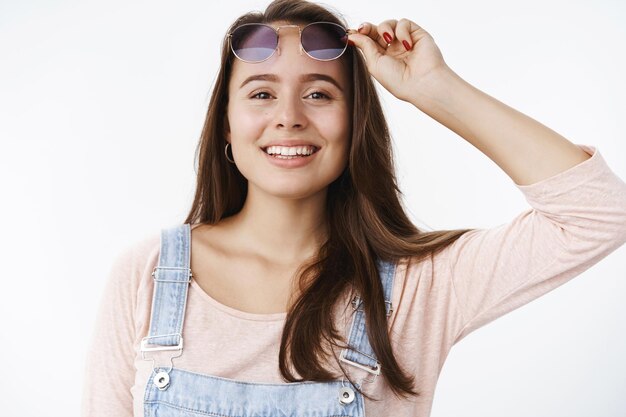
[406, 45]
[387, 37]
[350, 42]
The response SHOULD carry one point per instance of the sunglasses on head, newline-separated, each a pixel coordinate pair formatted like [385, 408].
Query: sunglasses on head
[256, 42]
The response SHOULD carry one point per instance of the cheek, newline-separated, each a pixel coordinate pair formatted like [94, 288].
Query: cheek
[337, 125]
[245, 120]
[336, 129]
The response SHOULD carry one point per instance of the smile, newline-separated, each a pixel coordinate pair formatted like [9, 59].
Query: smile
[290, 152]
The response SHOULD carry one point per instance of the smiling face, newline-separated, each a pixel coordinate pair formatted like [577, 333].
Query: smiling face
[295, 101]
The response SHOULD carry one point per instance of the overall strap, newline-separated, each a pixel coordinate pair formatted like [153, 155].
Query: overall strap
[360, 354]
[171, 283]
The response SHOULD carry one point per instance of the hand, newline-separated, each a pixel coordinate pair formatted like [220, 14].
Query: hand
[397, 69]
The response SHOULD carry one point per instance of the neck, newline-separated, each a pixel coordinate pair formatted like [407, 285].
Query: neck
[281, 230]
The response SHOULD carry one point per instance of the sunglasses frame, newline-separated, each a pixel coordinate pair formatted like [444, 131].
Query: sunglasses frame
[276, 30]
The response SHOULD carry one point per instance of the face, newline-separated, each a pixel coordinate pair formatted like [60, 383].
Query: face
[295, 101]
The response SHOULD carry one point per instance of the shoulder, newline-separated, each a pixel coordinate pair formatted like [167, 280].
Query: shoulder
[421, 282]
[137, 253]
[414, 267]
[134, 262]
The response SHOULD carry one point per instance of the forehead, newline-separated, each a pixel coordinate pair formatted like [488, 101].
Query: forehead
[289, 61]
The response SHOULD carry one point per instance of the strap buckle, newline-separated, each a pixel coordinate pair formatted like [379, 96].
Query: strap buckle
[357, 301]
[157, 348]
[170, 268]
[375, 370]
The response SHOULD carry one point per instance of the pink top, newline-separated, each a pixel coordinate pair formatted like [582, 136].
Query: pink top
[577, 217]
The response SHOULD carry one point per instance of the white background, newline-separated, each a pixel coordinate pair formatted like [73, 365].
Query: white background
[101, 106]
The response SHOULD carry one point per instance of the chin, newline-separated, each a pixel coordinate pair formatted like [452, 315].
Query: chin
[296, 193]
[292, 190]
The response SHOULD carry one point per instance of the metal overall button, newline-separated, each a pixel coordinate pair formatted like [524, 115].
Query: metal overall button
[346, 395]
[161, 380]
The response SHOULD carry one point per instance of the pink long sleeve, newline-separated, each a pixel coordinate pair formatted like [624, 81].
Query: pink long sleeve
[575, 221]
[576, 218]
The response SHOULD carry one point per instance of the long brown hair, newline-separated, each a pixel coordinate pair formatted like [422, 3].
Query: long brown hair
[365, 218]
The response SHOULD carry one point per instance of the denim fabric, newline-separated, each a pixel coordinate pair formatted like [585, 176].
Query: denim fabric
[191, 394]
[187, 394]
[171, 277]
[363, 352]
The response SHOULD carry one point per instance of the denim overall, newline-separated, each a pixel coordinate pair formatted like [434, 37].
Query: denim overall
[172, 392]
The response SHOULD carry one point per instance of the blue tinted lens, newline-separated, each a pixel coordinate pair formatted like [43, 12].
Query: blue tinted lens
[254, 42]
[324, 40]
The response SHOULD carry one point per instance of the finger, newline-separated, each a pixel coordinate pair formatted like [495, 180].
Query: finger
[371, 30]
[369, 47]
[403, 33]
[386, 31]
[416, 32]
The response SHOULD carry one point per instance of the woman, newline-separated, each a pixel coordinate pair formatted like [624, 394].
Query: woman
[297, 285]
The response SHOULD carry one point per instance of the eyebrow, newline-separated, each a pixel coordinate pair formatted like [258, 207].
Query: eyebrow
[303, 78]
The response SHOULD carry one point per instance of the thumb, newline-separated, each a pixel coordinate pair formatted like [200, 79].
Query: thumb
[370, 49]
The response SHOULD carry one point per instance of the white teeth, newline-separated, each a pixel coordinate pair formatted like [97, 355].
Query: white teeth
[290, 150]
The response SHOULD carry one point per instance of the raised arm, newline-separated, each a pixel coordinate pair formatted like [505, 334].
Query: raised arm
[404, 58]
[578, 205]
[525, 149]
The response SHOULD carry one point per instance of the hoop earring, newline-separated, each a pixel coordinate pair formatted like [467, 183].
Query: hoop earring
[226, 153]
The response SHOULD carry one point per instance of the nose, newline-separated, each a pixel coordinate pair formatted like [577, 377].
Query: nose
[290, 112]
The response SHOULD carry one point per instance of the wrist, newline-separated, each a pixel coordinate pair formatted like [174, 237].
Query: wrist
[435, 89]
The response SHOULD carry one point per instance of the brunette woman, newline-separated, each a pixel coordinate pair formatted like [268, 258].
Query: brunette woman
[297, 285]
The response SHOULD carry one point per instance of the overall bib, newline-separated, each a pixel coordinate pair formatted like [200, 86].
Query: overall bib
[173, 392]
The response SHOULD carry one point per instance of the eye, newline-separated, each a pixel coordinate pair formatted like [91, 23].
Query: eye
[319, 95]
[263, 95]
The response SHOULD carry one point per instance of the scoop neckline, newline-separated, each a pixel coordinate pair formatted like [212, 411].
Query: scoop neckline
[244, 315]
